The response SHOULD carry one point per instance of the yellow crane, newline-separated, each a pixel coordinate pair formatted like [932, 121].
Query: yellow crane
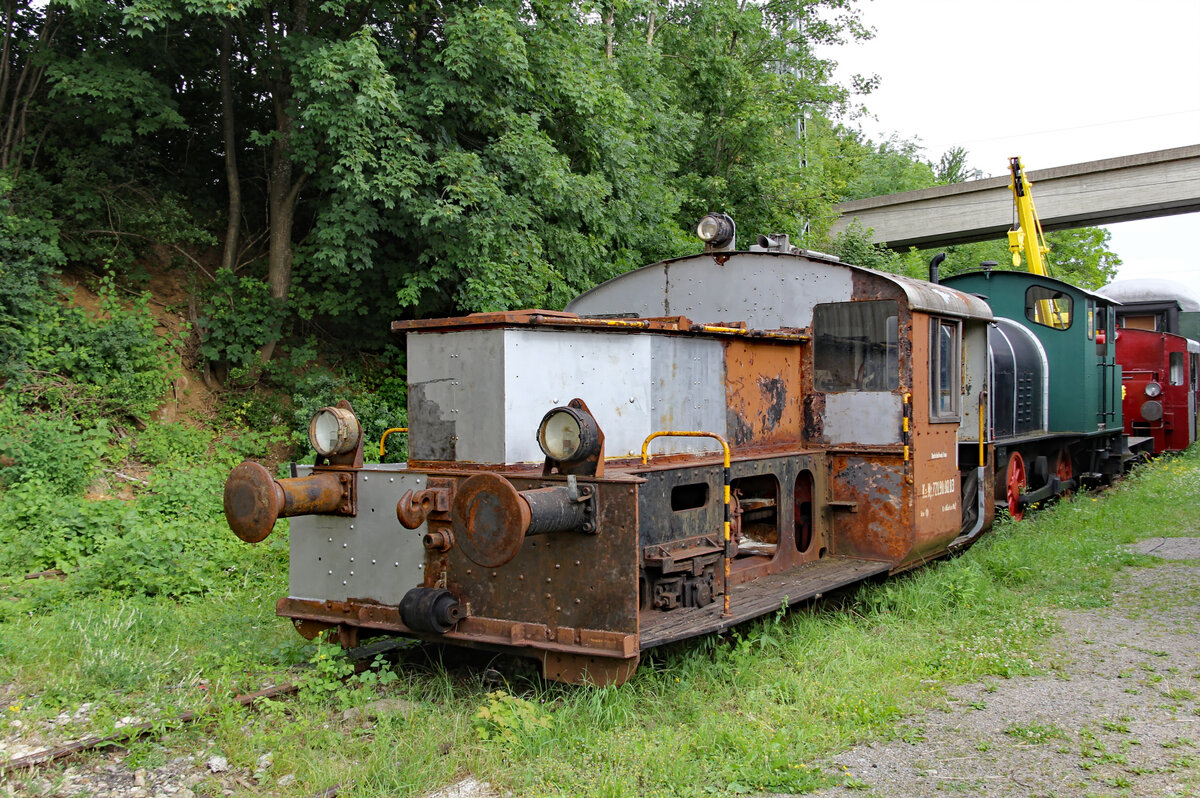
[1027, 237]
[1028, 234]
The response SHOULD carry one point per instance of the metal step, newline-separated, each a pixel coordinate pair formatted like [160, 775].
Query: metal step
[754, 599]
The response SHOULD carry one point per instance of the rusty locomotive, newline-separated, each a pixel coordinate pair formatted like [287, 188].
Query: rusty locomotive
[688, 446]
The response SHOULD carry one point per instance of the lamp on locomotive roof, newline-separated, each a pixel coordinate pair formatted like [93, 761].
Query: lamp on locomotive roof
[718, 232]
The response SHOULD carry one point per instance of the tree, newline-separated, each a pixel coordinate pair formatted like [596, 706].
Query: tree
[1082, 257]
[952, 167]
[364, 158]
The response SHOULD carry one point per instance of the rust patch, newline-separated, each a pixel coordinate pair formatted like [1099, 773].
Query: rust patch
[814, 417]
[577, 669]
[741, 431]
[873, 519]
[774, 394]
[603, 655]
[762, 393]
[567, 579]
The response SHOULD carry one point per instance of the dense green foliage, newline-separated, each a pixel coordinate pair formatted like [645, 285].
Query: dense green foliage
[374, 159]
[325, 166]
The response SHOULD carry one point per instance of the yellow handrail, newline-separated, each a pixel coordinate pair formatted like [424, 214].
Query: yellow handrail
[386, 433]
[725, 479]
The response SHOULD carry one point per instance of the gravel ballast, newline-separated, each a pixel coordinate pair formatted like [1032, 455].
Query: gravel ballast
[1117, 714]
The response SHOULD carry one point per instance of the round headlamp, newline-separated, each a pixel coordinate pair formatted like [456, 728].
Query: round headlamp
[334, 430]
[567, 435]
[715, 229]
[1153, 389]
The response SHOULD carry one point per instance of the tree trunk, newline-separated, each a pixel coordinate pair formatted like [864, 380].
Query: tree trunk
[609, 14]
[283, 191]
[14, 104]
[232, 181]
[10, 16]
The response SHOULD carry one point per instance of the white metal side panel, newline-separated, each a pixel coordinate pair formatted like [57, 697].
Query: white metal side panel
[765, 291]
[548, 368]
[687, 392]
[867, 417]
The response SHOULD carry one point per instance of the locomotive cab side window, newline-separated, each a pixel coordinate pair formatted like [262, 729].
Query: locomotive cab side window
[855, 346]
[945, 372]
[1048, 307]
[1176, 367]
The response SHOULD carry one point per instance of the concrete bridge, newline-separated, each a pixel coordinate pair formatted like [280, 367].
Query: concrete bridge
[1142, 186]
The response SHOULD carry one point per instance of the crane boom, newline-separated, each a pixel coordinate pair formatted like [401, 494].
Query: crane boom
[1028, 235]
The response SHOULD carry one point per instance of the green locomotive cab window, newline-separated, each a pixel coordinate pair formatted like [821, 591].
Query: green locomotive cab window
[945, 370]
[855, 346]
[1048, 307]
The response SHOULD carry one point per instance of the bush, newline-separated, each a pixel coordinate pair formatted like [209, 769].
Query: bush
[169, 443]
[171, 541]
[239, 317]
[114, 365]
[29, 252]
[58, 453]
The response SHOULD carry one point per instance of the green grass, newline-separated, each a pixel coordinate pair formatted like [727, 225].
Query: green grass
[749, 712]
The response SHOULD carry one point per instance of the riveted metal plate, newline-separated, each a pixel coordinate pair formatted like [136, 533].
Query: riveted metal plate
[369, 556]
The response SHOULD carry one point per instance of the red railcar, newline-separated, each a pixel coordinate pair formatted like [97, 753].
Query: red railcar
[1159, 377]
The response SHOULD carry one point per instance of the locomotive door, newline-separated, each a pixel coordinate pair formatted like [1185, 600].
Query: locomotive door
[1193, 380]
[936, 412]
[1103, 320]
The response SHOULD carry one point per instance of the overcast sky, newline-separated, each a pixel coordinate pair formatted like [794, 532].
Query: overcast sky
[1056, 82]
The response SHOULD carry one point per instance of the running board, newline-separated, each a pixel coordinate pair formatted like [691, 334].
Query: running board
[755, 599]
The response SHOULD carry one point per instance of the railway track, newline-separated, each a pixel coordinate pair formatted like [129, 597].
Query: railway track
[361, 657]
[134, 732]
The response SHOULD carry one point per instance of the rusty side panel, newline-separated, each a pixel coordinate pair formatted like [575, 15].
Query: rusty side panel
[569, 579]
[762, 393]
[937, 511]
[871, 491]
[871, 515]
[664, 528]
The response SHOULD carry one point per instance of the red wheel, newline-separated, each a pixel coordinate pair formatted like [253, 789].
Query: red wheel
[1015, 483]
[1063, 469]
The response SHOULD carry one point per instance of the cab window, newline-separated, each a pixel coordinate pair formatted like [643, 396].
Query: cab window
[1048, 307]
[855, 346]
[945, 370]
